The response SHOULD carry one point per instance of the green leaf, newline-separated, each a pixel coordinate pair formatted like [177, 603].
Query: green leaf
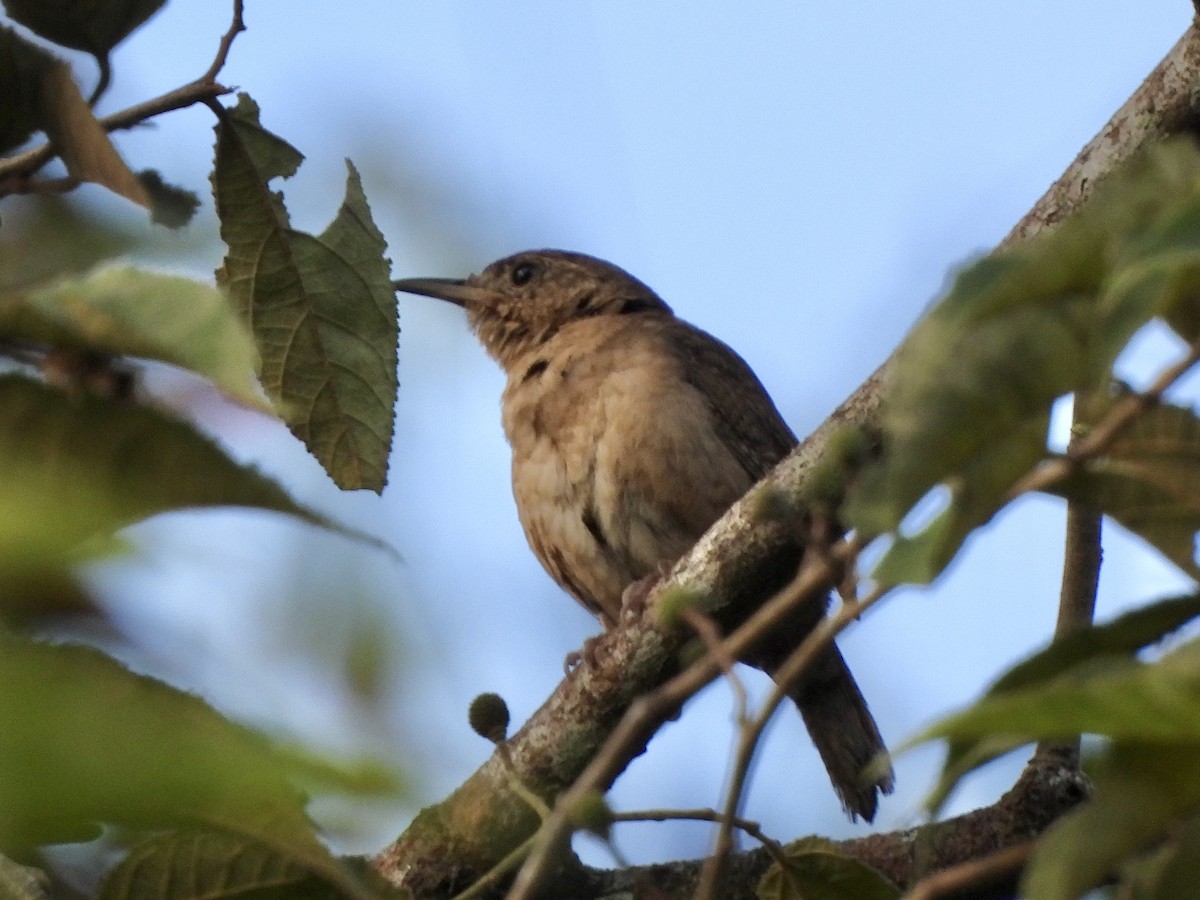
[34, 590]
[1173, 871]
[211, 865]
[86, 740]
[977, 491]
[1098, 690]
[321, 309]
[23, 69]
[1157, 269]
[121, 311]
[814, 871]
[1148, 481]
[1142, 791]
[89, 466]
[1121, 699]
[1017, 331]
[95, 26]
[975, 373]
[52, 238]
[963, 757]
[1122, 638]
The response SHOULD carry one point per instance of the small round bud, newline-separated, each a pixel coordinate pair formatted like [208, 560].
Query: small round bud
[591, 813]
[488, 717]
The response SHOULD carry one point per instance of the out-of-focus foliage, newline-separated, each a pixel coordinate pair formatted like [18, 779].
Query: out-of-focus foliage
[120, 311]
[1146, 776]
[208, 807]
[96, 26]
[969, 398]
[816, 871]
[85, 741]
[967, 412]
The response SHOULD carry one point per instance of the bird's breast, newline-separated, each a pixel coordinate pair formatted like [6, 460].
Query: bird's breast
[617, 466]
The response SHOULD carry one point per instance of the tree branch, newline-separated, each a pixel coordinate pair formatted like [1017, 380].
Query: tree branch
[452, 843]
[16, 170]
[907, 857]
[1080, 579]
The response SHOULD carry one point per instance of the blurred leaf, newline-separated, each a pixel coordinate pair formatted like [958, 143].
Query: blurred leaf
[1174, 869]
[1157, 270]
[1122, 637]
[211, 865]
[1080, 690]
[1142, 791]
[95, 26]
[1148, 481]
[976, 493]
[41, 590]
[964, 756]
[1018, 330]
[816, 872]
[1126, 700]
[80, 140]
[55, 238]
[977, 370]
[86, 740]
[121, 311]
[23, 69]
[19, 882]
[171, 206]
[321, 309]
[75, 466]
[313, 773]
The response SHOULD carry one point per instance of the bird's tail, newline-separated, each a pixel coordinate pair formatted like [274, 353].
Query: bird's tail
[844, 733]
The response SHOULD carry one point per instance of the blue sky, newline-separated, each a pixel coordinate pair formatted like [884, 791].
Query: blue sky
[798, 179]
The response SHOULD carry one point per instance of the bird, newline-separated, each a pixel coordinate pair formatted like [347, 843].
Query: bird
[632, 432]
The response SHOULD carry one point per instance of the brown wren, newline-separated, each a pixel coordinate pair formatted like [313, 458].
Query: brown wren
[632, 432]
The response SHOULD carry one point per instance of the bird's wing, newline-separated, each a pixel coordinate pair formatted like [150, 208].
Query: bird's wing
[741, 409]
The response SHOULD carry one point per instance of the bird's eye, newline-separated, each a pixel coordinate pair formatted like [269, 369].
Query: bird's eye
[523, 274]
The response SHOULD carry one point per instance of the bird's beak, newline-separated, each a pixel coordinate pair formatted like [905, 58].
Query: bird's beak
[453, 290]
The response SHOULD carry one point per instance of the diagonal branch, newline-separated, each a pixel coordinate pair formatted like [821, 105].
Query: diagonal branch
[907, 858]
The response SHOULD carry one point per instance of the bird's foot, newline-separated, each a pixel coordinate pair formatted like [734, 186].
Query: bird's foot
[636, 593]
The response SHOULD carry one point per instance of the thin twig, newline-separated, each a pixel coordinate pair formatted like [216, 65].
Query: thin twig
[1082, 554]
[999, 868]
[750, 827]
[493, 875]
[236, 26]
[786, 676]
[536, 803]
[27, 163]
[48, 186]
[649, 711]
[708, 632]
[15, 171]
[1098, 439]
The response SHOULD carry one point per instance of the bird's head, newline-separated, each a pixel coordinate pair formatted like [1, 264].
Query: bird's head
[520, 302]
